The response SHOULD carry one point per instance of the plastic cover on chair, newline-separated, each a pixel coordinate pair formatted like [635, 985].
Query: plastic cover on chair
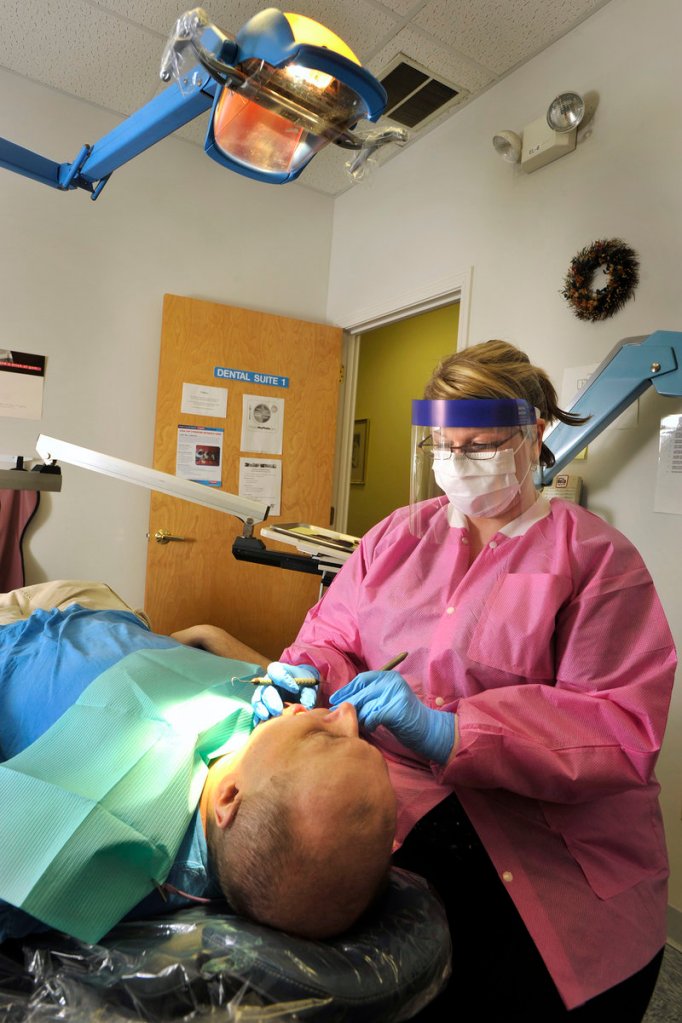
[197, 964]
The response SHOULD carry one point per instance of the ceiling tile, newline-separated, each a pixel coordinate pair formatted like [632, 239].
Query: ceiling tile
[62, 28]
[362, 25]
[161, 15]
[499, 34]
[402, 7]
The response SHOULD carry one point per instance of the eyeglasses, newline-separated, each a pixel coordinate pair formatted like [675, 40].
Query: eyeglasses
[475, 452]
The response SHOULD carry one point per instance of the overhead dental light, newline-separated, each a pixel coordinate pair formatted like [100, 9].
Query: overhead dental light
[280, 91]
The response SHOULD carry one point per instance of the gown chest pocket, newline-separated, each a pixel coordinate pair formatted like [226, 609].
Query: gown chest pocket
[515, 632]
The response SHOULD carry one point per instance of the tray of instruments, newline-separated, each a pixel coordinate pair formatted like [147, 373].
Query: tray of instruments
[314, 540]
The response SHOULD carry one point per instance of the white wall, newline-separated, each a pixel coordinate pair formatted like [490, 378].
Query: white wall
[449, 203]
[83, 283]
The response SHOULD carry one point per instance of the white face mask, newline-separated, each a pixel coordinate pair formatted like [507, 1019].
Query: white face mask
[482, 488]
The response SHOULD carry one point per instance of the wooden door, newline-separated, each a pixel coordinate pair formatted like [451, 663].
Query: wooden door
[199, 580]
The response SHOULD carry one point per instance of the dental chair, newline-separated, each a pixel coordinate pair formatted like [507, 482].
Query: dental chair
[197, 964]
[207, 962]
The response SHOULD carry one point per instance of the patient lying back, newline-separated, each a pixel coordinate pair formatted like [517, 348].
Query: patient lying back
[300, 823]
[303, 822]
[296, 827]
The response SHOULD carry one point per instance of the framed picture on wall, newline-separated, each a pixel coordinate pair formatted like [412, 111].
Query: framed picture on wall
[358, 461]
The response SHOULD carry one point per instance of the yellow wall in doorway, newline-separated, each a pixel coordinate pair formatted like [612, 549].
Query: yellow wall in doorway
[395, 363]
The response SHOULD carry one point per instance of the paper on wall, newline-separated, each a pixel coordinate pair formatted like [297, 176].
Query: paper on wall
[22, 378]
[262, 424]
[201, 400]
[261, 480]
[199, 455]
[668, 496]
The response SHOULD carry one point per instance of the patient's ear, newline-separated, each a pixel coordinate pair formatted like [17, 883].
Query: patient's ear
[226, 802]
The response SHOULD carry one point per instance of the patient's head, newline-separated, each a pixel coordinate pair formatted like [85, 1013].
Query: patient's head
[301, 825]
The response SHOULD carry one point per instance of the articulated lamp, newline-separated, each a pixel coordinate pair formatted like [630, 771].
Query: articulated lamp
[52, 450]
[246, 547]
[280, 91]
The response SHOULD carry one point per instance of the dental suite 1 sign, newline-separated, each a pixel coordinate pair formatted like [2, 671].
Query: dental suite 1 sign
[271, 379]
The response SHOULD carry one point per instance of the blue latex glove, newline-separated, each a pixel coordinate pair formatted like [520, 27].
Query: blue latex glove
[267, 702]
[385, 698]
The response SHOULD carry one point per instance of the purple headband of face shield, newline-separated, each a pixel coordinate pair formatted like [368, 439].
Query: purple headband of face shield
[472, 412]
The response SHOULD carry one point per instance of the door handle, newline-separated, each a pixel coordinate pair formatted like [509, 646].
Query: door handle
[163, 536]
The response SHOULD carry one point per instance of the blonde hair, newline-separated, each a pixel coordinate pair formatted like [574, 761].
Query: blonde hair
[497, 369]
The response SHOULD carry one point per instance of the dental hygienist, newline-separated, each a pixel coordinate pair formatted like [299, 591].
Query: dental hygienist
[522, 729]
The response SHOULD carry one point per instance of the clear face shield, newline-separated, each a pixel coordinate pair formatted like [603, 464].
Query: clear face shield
[478, 455]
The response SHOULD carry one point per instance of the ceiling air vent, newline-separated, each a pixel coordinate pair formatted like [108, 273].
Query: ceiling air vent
[414, 94]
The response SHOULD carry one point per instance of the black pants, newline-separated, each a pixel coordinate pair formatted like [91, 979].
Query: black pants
[498, 973]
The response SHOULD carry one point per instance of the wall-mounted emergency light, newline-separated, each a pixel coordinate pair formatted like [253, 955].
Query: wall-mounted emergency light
[547, 138]
[280, 91]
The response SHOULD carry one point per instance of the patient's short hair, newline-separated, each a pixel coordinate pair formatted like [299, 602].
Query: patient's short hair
[272, 871]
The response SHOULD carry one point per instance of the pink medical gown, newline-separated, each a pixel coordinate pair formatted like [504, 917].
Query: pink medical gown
[555, 653]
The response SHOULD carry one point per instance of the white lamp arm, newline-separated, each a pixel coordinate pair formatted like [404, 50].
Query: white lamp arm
[51, 449]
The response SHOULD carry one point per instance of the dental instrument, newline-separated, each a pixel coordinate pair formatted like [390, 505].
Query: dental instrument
[306, 682]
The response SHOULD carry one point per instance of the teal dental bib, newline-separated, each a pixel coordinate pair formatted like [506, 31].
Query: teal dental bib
[94, 811]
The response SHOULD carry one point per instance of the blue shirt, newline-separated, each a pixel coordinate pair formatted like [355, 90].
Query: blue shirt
[46, 661]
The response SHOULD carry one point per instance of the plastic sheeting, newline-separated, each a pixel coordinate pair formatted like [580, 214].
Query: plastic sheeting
[196, 964]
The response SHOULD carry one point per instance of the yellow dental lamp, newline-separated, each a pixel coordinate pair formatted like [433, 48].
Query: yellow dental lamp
[279, 91]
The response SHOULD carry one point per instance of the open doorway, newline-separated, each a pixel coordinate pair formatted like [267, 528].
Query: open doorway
[452, 291]
[394, 363]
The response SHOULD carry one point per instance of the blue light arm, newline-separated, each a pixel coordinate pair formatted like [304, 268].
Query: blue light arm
[630, 367]
[163, 115]
[31, 165]
[201, 60]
